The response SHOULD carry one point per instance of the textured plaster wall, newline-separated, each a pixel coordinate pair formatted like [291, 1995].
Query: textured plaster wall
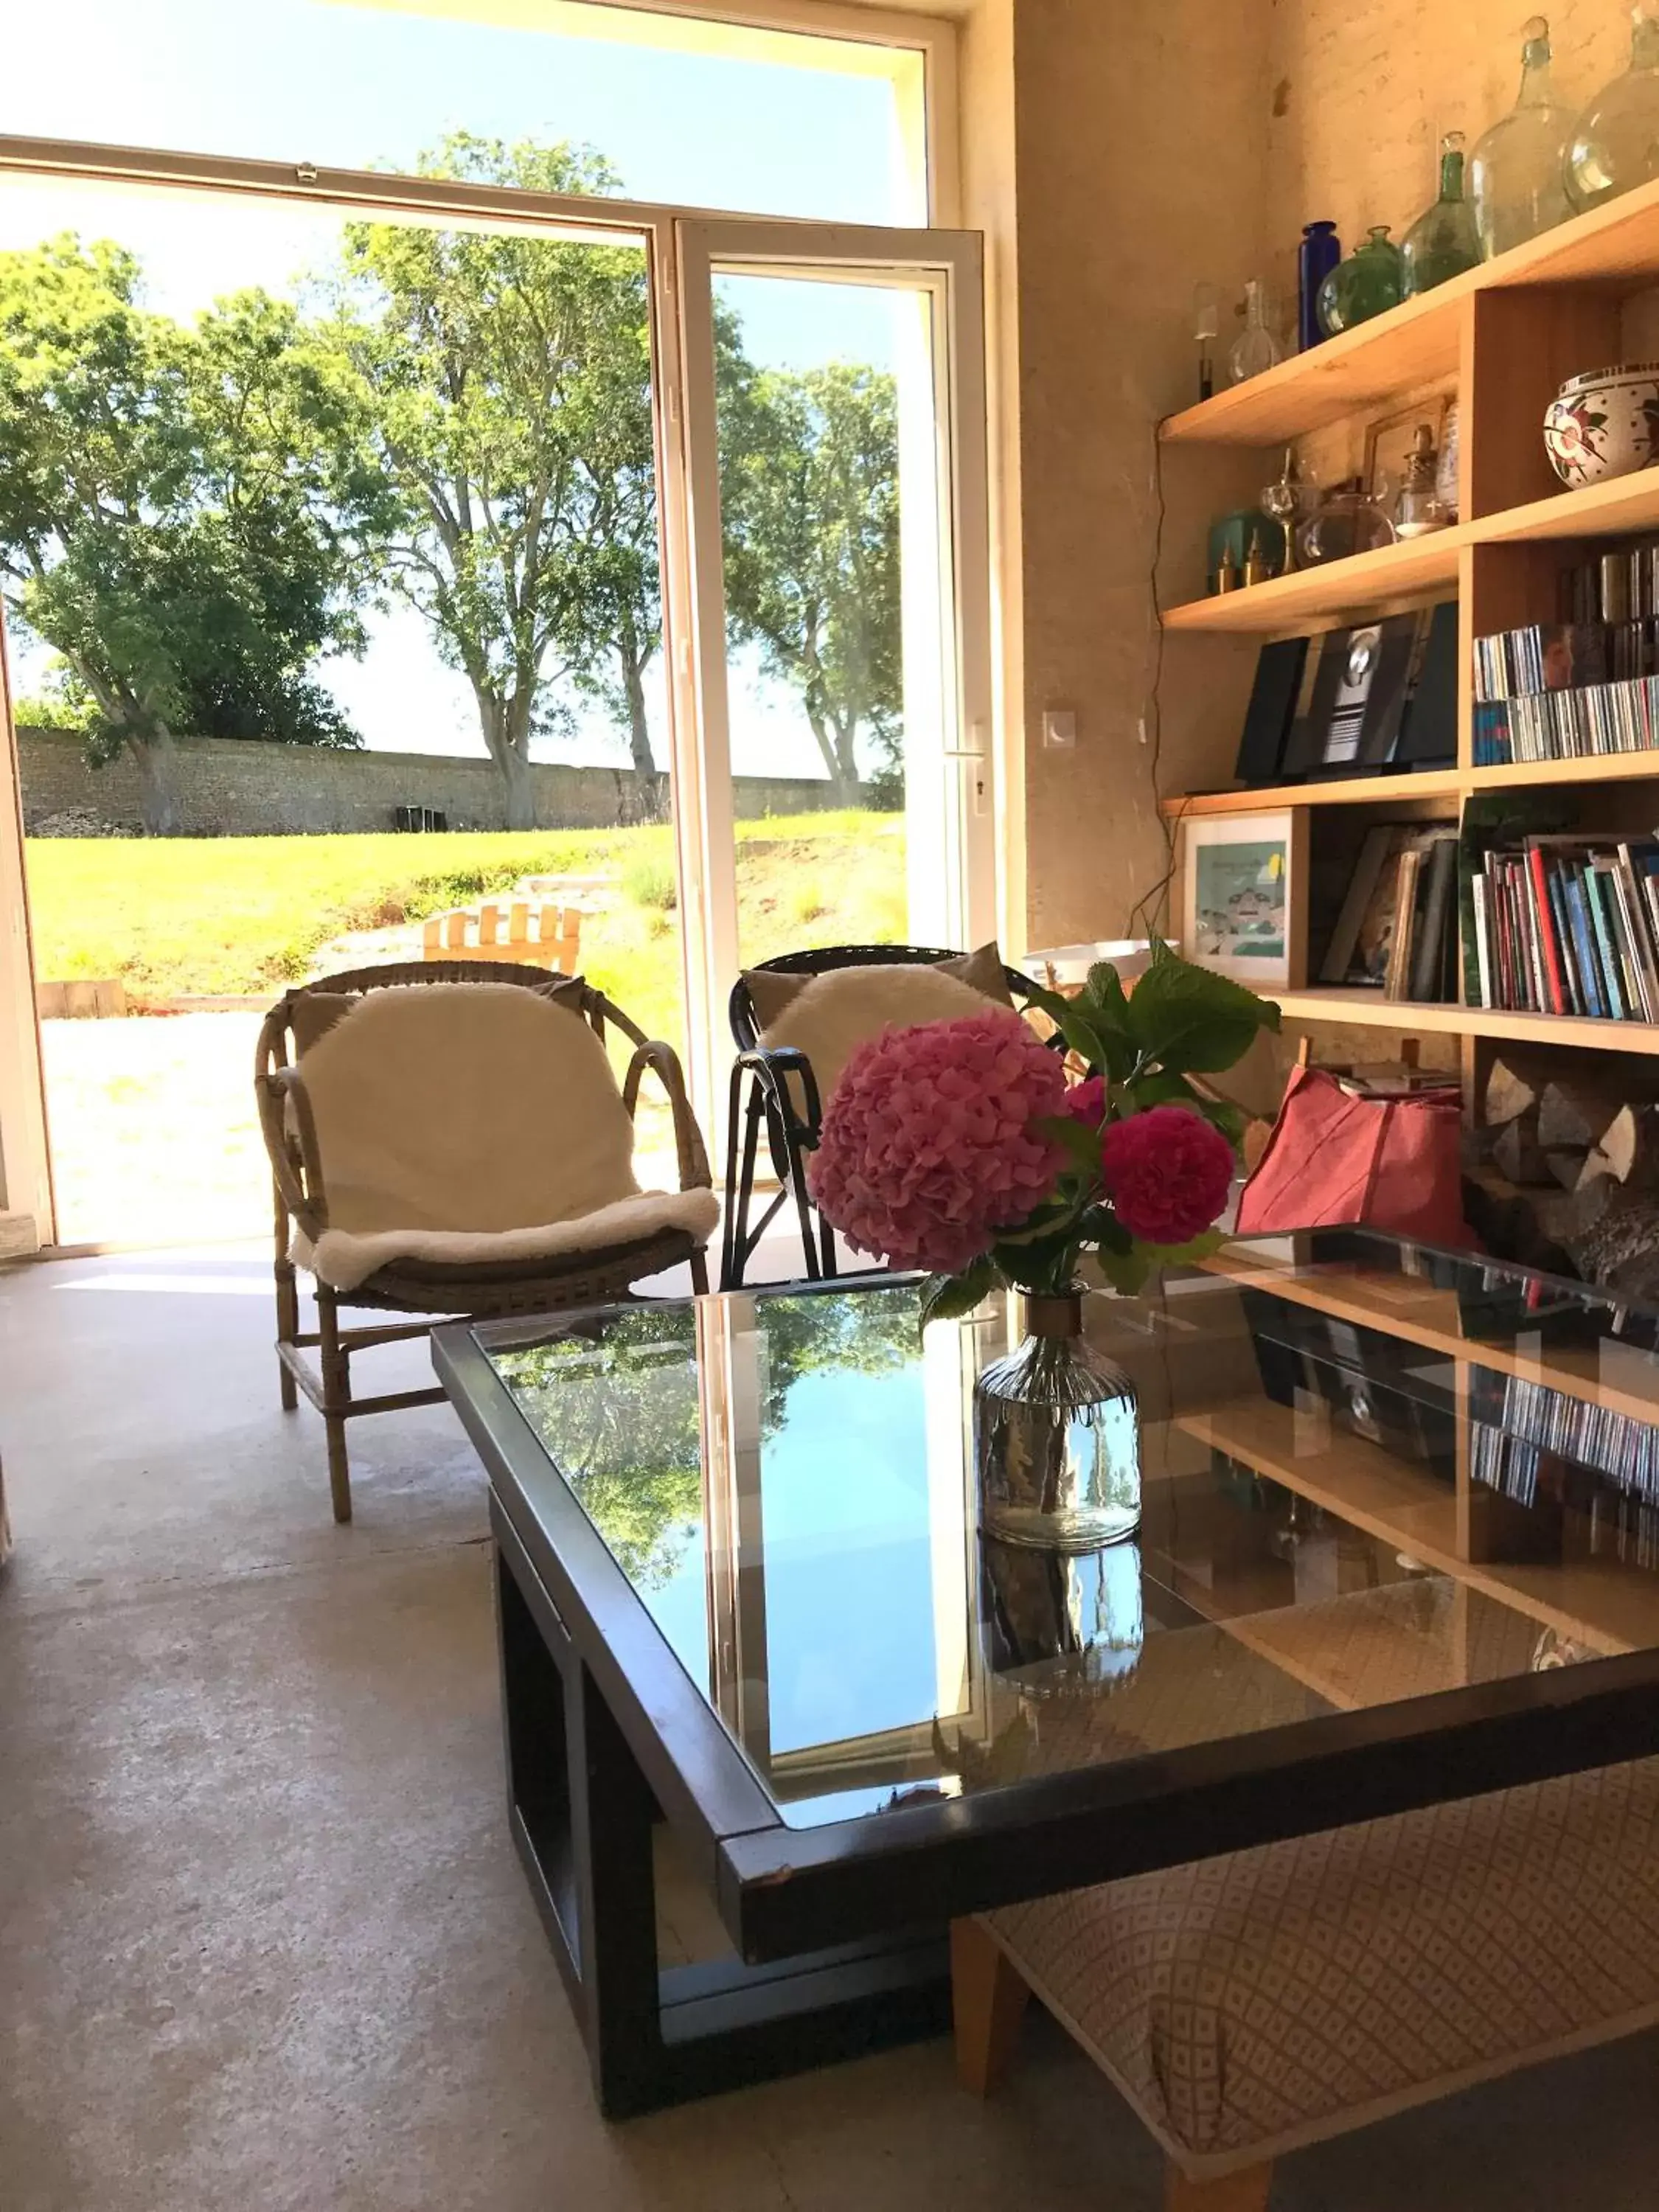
[1361, 90]
[1138, 163]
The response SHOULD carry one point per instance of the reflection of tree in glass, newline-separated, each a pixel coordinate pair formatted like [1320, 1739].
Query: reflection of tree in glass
[616, 1405]
[865, 1331]
[617, 1408]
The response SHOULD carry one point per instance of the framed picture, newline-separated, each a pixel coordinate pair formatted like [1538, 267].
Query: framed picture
[1241, 897]
[1389, 441]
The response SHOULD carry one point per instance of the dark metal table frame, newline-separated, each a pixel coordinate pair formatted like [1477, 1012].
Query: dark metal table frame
[841, 1927]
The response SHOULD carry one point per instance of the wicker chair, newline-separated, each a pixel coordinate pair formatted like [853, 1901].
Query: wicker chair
[762, 1092]
[520, 1286]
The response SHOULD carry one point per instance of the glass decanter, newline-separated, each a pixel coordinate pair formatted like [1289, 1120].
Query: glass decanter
[1255, 348]
[1443, 242]
[1615, 142]
[1419, 508]
[1515, 185]
[1370, 281]
[1348, 520]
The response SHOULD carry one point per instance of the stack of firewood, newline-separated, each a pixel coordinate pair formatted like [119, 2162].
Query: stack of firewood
[1591, 1150]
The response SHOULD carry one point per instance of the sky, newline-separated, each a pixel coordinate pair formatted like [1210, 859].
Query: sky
[368, 86]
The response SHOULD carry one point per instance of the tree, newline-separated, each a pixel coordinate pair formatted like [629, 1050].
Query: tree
[509, 379]
[184, 515]
[809, 489]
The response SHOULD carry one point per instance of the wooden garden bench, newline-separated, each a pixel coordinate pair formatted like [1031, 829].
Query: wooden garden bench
[540, 935]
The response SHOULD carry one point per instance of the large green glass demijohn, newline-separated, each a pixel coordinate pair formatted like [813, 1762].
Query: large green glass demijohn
[1443, 242]
[1516, 187]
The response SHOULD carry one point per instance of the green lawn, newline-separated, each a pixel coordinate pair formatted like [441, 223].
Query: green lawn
[182, 917]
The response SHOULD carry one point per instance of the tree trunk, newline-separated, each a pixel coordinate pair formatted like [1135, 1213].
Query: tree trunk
[155, 758]
[846, 787]
[650, 807]
[514, 766]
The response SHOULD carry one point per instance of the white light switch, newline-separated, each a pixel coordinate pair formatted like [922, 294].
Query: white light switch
[1059, 727]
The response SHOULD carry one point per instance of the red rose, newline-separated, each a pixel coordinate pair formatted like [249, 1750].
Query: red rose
[1168, 1172]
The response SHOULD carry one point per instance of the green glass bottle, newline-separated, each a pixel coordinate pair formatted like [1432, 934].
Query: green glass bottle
[1370, 281]
[1443, 242]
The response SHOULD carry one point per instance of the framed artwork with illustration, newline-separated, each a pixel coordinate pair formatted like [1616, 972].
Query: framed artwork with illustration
[1241, 897]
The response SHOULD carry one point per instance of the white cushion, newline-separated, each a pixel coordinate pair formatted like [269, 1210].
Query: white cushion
[837, 1012]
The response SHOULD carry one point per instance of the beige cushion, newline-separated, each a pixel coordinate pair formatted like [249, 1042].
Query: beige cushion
[467, 1124]
[828, 1017]
[771, 991]
[1264, 1999]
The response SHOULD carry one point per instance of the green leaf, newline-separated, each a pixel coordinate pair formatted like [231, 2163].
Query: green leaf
[949, 1298]
[1231, 1121]
[1158, 1088]
[1126, 1271]
[1196, 1247]
[1078, 1141]
[1100, 1225]
[1050, 1002]
[1187, 1017]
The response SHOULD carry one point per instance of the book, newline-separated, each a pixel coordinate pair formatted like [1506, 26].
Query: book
[1549, 948]
[1438, 869]
[1400, 952]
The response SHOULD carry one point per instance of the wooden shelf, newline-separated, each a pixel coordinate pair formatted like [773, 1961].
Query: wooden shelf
[1417, 343]
[1613, 1609]
[1617, 1377]
[1411, 569]
[1416, 566]
[1368, 1009]
[1449, 783]
[1336, 791]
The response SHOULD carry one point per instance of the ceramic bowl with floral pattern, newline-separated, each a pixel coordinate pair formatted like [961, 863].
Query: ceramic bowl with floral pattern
[1604, 423]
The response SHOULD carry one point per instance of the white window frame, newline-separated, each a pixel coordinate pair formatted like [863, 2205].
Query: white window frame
[25, 1159]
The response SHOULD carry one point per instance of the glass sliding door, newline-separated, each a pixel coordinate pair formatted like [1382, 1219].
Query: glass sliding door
[835, 442]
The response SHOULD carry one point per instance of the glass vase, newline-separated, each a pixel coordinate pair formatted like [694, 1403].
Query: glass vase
[1515, 184]
[1443, 242]
[1369, 283]
[1057, 1438]
[1062, 1622]
[1255, 348]
[1615, 142]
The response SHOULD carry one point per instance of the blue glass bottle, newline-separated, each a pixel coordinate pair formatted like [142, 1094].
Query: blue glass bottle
[1320, 251]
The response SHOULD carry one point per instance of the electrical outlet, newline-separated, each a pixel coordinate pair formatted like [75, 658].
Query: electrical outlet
[1059, 727]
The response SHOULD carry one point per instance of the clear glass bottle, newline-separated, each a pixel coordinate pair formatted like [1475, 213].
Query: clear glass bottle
[1516, 183]
[1369, 283]
[1615, 142]
[1419, 509]
[1443, 242]
[1255, 348]
[1057, 1437]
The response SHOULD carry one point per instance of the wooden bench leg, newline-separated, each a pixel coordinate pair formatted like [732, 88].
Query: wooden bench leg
[287, 1306]
[1248, 2191]
[988, 2001]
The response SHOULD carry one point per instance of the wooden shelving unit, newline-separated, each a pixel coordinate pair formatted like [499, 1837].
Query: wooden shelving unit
[1502, 338]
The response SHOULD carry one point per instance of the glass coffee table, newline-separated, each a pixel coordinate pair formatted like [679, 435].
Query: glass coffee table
[1400, 1544]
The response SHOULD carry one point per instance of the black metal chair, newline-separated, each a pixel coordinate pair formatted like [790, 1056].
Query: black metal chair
[791, 1112]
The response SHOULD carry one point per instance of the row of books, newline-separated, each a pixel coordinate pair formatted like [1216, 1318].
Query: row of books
[1521, 1412]
[1518, 664]
[1602, 718]
[1621, 1526]
[1568, 925]
[1398, 925]
[1616, 586]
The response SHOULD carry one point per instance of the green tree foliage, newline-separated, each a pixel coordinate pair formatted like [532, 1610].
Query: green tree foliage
[508, 382]
[809, 491]
[187, 516]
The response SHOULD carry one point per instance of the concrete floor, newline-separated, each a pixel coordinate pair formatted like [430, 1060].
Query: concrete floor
[263, 1943]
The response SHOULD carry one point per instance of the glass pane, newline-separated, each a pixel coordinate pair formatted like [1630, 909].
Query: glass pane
[694, 114]
[347, 529]
[836, 612]
[1330, 1524]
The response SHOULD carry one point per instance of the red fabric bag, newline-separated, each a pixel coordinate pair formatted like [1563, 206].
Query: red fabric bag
[1336, 1159]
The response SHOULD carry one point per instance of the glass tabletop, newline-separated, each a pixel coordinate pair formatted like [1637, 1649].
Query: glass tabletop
[1372, 1473]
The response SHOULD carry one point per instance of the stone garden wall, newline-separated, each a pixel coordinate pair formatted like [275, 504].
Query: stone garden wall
[228, 789]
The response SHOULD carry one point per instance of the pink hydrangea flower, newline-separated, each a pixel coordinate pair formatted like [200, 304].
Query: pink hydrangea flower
[927, 1149]
[1168, 1172]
